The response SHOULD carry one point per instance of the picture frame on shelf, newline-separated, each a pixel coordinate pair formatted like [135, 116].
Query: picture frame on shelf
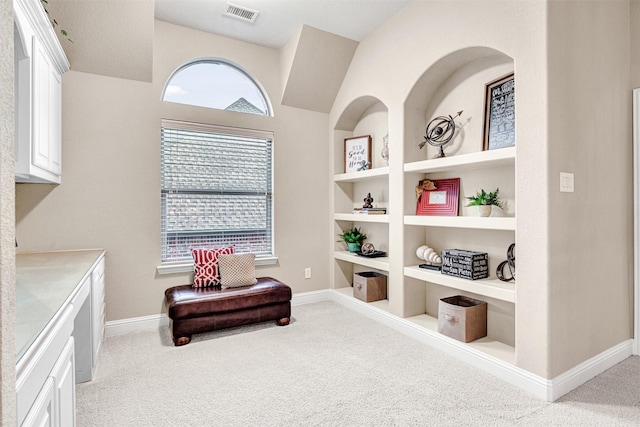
[499, 113]
[443, 200]
[357, 153]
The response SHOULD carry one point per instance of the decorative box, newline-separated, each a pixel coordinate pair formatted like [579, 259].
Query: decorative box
[462, 318]
[466, 264]
[369, 286]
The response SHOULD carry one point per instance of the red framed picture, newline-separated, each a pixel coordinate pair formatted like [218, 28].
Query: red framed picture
[438, 197]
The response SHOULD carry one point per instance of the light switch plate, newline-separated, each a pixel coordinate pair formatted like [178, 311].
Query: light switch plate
[566, 182]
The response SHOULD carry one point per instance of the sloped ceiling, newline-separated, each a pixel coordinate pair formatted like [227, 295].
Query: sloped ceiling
[279, 20]
[110, 38]
[115, 37]
[316, 68]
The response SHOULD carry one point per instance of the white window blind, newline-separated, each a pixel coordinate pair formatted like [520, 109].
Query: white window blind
[216, 189]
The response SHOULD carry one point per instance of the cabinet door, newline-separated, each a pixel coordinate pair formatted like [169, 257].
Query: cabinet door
[47, 112]
[55, 122]
[40, 155]
[42, 413]
[63, 374]
[97, 309]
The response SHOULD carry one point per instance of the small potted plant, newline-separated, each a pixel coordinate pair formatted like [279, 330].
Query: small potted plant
[353, 238]
[484, 201]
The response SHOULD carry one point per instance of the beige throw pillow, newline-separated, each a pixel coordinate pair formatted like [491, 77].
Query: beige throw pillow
[237, 270]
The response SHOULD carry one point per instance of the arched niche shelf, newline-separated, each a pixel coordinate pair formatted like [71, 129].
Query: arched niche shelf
[453, 83]
[366, 115]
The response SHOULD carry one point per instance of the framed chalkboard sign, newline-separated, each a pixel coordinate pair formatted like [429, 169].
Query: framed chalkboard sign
[500, 113]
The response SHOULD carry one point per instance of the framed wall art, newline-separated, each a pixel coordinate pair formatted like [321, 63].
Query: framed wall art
[499, 113]
[440, 197]
[357, 153]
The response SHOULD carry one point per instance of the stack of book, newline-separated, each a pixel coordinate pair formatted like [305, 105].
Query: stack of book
[370, 211]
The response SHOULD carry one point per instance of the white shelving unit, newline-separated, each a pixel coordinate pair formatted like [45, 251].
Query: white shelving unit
[413, 292]
[471, 166]
[362, 175]
[383, 219]
[382, 305]
[488, 223]
[486, 345]
[492, 288]
[470, 161]
[381, 263]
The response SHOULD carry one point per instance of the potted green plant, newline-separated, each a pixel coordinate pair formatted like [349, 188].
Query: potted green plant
[484, 201]
[353, 238]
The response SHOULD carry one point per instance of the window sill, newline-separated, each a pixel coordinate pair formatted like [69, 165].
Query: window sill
[187, 267]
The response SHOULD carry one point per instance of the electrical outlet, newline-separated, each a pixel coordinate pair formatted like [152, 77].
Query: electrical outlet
[307, 273]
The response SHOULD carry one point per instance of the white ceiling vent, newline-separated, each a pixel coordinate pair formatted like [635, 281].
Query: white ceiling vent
[241, 12]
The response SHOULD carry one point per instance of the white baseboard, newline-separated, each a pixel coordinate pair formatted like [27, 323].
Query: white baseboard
[138, 324]
[580, 374]
[310, 297]
[135, 324]
[549, 390]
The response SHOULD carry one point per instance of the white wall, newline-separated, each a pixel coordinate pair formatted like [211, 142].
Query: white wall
[7, 224]
[590, 236]
[110, 191]
[571, 61]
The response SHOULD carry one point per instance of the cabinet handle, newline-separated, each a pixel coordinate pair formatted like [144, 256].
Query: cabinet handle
[359, 287]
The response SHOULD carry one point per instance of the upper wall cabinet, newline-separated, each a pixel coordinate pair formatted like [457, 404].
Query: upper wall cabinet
[39, 65]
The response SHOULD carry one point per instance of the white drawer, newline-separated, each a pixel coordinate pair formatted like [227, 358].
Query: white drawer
[34, 367]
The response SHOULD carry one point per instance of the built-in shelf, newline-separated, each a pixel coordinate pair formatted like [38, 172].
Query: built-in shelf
[380, 263]
[492, 288]
[486, 223]
[381, 305]
[429, 326]
[362, 175]
[485, 345]
[361, 218]
[478, 160]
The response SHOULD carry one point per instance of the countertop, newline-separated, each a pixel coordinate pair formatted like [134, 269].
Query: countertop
[44, 283]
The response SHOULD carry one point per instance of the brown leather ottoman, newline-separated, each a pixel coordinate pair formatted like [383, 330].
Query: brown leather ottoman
[195, 310]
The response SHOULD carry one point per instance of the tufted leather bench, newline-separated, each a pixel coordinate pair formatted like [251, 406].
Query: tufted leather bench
[195, 310]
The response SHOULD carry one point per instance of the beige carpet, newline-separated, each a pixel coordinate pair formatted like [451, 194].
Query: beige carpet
[329, 367]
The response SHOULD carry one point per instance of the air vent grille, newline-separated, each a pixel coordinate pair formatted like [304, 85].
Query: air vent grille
[242, 13]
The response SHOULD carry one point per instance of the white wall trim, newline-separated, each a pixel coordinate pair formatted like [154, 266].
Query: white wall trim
[310, 297]
[636, 217]
[187, 266]
[155, 321]
[542, 388]
[580, 374]
[135, 324]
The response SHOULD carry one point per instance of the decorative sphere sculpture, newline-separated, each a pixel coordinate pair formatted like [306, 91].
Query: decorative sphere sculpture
[439, 132]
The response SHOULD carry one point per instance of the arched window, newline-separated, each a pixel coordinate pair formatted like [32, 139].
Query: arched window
[219, 84]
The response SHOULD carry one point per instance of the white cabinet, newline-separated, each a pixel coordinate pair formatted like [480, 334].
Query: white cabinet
[63, 374]
[42, 413]
[46, 138]
[98, 314]
[58, 332]
[89, 322]
[55, 404]
[39, 64]
[42, 383]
